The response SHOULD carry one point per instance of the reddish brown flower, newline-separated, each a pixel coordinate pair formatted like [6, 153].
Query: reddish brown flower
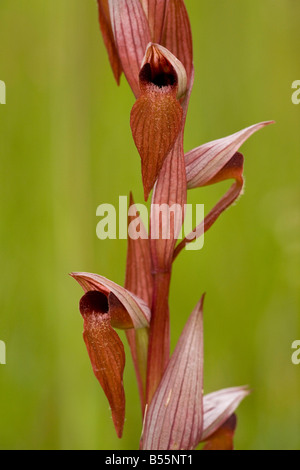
[151, 42]
[157, 114]
[106, 305]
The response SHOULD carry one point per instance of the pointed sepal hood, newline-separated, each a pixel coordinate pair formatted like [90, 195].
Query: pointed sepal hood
[174, 419]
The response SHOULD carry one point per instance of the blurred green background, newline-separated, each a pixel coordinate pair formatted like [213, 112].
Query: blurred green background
[66, 147]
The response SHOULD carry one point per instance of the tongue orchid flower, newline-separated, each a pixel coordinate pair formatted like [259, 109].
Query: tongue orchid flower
[150, 41]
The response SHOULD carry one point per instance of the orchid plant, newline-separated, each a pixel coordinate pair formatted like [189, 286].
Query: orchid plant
[150, 41]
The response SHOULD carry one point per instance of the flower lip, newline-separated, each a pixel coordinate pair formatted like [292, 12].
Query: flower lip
[162, 69]
[93, 302]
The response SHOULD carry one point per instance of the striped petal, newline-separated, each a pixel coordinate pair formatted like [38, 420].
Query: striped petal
[126, 309]
[155, 11]
[205, 162]
[177, 35]
[132, 34]
[108, 38]
[211, 163]
[175, 416]
[219, 406]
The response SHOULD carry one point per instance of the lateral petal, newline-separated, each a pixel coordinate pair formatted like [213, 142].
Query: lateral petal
[132, 34]
[108, 38]
[177, 35]
[204, 162]
[155, 11]
[174, 419]
[219, 406]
